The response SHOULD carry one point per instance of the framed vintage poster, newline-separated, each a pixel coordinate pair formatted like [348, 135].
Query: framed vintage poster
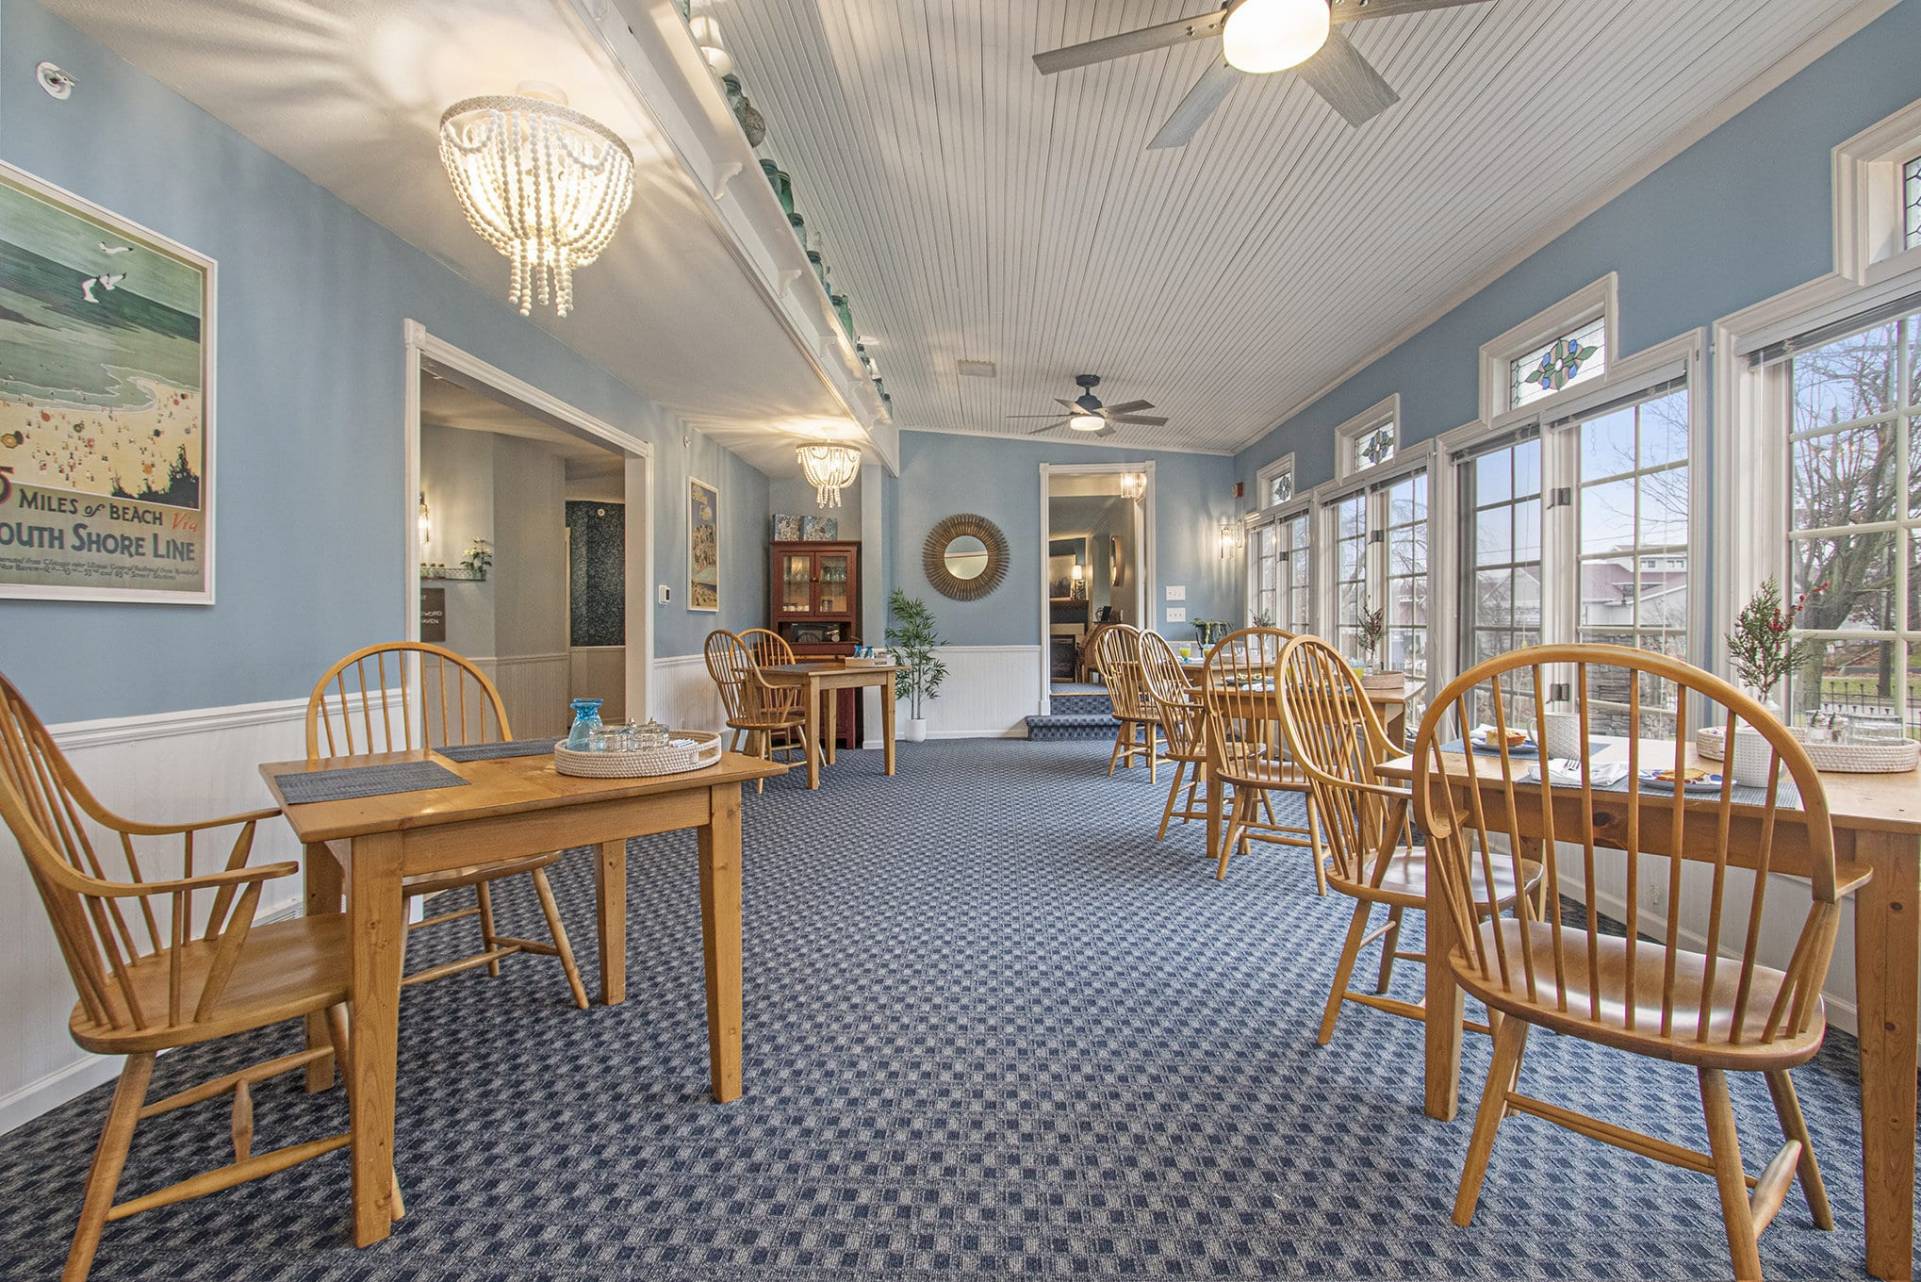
[703, 547]
[106, 404]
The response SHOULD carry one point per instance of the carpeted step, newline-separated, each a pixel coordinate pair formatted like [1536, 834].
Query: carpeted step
[1080, 705]
[1058, 726]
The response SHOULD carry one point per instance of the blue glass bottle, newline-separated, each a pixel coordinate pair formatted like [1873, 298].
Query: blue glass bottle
[586, 722]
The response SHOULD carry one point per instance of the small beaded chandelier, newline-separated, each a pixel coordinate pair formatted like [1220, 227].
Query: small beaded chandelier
[828, 468]
[541, 183]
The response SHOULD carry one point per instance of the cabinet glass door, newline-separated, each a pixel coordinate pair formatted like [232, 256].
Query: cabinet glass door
[796, 583]
[832, 594]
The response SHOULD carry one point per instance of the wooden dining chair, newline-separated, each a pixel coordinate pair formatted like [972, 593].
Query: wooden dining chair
[768, 718]
[1333, 732]
[1087, 659]
[771, 649]
[1685, 981]
[1245, 747]
[165, 960]
[400, 696]
[1138, 733]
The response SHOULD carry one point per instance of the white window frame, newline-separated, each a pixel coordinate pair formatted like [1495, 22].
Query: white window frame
[1386, 411]
[1374, 482]
[1556, 416]
[1264, 479]
[1599, 299]
[1869, 209]
[1274, 518]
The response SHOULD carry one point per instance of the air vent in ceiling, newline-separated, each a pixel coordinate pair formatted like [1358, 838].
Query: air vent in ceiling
[977, 369]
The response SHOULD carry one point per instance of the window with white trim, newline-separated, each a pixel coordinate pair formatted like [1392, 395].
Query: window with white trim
[1911, 203]
[1842, 402]
[1262, 587]
[1348, 529]
[1275, 482]
[1296, 573]
[1877, 199]
[1558, 364]
[1501, 564]
[1369, 439]
[1378, 560]
[1405, 577]
[1557, 352]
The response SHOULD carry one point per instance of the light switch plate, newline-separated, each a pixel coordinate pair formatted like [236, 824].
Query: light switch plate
[1177, 592]
[1177, 614]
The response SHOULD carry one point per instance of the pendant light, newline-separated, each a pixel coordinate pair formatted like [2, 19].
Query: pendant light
[829, 468]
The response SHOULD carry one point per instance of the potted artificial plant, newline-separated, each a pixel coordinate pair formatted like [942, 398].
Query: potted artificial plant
[1764, 650]
[912, 639]
[1373, 628]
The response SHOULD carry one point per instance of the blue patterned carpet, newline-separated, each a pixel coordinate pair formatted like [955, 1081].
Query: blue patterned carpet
[993, 1030]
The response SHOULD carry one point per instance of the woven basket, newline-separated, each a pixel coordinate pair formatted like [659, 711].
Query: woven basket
[685, 750]
[1836, 758]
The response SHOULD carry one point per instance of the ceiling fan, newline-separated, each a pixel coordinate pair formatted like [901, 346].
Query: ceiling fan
[1086, 413]
[1260, 37]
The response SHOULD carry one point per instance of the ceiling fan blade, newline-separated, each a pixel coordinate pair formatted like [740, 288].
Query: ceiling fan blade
[1104, 432]
[1069, 406]
[1199, 104]
[1356, 10]
[1143, 420]
[1107, 48]
[1349, 83]
[1050, 427]
[1053, 416]
[1129, 407]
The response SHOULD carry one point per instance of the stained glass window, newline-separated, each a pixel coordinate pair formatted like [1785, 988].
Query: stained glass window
[1372, 447]
[1911, 202]
[1280, 488]
[1560, 362]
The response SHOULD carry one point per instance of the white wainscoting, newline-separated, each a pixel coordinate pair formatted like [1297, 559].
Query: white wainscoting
[535, 688]
[989, 693]
[684, 696]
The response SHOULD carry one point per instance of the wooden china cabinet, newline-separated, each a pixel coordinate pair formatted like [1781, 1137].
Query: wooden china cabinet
[814, 602]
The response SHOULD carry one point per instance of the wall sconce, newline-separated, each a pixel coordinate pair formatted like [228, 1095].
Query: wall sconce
[1134, 486]
[1233, 539]
[425, 521]
[1079, 590]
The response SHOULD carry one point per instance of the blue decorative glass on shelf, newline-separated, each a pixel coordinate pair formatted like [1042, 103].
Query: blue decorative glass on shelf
[586, 723]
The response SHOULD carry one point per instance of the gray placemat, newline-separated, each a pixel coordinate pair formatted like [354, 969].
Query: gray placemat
[1787, 797]
[304, 787]
[495, 751]
[1524, 752]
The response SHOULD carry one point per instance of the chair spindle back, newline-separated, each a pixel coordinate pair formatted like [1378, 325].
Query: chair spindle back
[1120, 658]
[400, 696]
[1237, 686]
[1335, 736]
[1176, 701]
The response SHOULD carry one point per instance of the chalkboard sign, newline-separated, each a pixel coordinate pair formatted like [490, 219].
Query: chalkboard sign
[433, 615]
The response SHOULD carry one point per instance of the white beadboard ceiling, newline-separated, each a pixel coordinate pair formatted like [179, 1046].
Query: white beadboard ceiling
[974, 209]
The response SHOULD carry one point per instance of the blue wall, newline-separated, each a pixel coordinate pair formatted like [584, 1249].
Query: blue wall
[1740, 216]
[309, 516]
[1000, 479]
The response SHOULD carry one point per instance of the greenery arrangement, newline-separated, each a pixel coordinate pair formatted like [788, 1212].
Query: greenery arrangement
[912, 638]
[1762, 644]
[479, 558]
[1261, 619]
[1373, 629]
[1208, 631]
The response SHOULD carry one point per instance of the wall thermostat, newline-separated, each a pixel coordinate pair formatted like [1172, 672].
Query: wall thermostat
[666, 594]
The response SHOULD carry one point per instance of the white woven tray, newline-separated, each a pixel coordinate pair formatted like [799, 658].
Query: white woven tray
[685, 750]
[1838, 758]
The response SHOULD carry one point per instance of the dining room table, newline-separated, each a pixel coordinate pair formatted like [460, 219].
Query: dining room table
[820, 681]
[1876, 819]
[497, 810]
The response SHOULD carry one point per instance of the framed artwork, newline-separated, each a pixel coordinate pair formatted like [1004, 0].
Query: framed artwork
[819, 529]
[106, 404]
[786, 528]
[703, 547]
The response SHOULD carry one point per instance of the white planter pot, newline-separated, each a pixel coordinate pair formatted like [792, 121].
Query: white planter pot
[914, 729]
[1753, 755]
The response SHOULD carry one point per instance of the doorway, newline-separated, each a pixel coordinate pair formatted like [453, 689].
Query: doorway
[529, 539]
[1097, 561]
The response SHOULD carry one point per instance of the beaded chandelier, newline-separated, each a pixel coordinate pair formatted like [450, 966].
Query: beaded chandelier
[828, 468]
[541, 183]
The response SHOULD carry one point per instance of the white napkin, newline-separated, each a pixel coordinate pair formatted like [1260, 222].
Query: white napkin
[1565, 772]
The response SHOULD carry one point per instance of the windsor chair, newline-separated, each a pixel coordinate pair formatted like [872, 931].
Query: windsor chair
[1139, 731]
[1644, 988]
[1244, 746]
[366, 704]
[161, 962]
[1335, 735]
[763, 714]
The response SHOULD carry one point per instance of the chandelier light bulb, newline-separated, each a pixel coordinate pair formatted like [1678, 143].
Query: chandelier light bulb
[829, 468]
[1272, 35]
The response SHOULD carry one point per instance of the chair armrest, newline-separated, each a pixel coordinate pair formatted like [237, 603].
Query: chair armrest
[137, 829]
[206, 881]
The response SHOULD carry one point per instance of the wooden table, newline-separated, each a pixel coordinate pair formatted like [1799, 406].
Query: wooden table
[512, 807]
[819, 678]
[1877, 831]
[1390, 706]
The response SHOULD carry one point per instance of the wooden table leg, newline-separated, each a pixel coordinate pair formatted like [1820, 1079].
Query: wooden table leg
[833, 722]
[720, 937]
[1444, 1007]
[812, 734]
[1887, 960]
[322, 873]
[377, 927]
[610, 893]
[887, 723]
[1213, 810]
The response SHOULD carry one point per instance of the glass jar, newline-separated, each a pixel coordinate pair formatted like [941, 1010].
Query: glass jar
[846, 313]
[586, 723]
[651, 735]
[799, 225]
[820, 268]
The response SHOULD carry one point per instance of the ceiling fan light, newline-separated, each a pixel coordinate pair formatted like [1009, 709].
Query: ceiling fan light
[1272, 35]
[1086, 423]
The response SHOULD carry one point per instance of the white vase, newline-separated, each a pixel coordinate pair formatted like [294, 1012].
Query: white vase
[914, 729]
[1752, 755]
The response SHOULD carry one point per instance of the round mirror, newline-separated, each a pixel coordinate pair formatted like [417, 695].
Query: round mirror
[966, 557]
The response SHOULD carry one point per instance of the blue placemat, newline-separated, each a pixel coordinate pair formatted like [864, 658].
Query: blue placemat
[1525, 752]
[304, 787]
[495, 751]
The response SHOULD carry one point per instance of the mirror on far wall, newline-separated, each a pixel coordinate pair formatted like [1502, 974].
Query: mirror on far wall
[964, 557]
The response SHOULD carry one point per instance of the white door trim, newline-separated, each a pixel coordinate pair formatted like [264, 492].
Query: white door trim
[1148, 580]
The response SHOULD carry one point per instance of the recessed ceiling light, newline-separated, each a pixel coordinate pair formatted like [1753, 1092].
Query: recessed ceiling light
[977, 369]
